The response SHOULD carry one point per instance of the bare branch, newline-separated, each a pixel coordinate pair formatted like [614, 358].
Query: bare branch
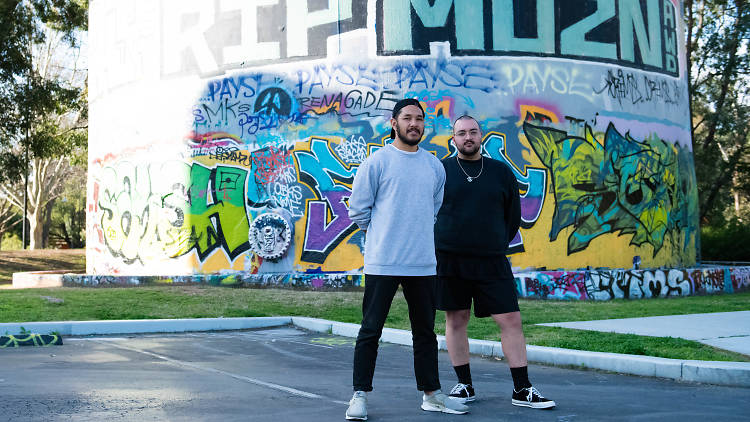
[11, 196]
[697, 125]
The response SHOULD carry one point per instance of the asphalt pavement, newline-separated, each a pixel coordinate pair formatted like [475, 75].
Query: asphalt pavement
[286, 373]
[723, 373]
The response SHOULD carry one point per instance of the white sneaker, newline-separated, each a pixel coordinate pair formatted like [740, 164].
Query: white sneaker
[357, 410]
[439, 402]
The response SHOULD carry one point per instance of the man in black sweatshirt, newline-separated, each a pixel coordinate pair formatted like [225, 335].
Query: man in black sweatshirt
[480, 215]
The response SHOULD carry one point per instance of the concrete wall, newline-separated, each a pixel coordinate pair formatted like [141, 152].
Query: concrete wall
[561, 285]
[206, 115]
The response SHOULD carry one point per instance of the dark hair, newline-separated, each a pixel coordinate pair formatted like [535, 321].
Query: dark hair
[465, 117]
[400, 105]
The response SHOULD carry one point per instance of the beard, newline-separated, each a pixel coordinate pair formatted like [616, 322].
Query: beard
[402, 135]
[469, 150]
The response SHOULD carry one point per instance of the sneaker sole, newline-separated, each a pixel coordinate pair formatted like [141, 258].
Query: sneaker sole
[356, 418]
[431, 408]
[522, 403]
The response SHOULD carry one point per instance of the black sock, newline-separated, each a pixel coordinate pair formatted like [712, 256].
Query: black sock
[463, 373]
[520, 377]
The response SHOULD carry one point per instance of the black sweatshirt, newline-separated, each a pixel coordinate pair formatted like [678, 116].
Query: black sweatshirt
[480, 217]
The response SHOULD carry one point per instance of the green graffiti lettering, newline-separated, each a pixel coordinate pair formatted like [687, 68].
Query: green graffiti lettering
[217, 210]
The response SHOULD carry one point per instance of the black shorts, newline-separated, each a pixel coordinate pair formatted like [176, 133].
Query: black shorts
[487, 281]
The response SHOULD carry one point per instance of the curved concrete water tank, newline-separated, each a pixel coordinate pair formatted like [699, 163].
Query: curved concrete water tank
[206, 115]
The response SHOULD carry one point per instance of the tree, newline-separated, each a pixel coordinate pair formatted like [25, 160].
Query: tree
[43, 108]
[8, 218]
[68, 216]
[717, 50]
[46, 185]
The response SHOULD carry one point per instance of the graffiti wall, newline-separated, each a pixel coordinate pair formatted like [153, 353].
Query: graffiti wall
[559, 285]
[631, 284]
[225, 135]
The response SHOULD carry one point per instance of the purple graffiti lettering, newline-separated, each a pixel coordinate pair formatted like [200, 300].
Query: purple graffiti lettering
[320, 235]
[531, 206]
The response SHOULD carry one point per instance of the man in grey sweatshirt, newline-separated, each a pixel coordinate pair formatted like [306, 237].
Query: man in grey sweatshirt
[396, 196]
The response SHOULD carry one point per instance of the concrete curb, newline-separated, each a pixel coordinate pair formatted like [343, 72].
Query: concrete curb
[713, 372]
[140, 326]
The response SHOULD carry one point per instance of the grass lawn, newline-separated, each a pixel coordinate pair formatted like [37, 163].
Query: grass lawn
[11, 262]
[207, 301]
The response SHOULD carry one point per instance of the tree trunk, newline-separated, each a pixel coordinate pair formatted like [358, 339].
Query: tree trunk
[45, 183]
[66, 236]
[689, 42]
[36, 229]
[47, 223]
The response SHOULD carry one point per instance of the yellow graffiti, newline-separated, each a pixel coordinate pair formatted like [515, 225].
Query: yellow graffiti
[140, 218]
[535, 112]
[333, 341]
[30, 340]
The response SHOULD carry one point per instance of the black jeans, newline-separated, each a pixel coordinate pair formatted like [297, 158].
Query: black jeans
[419, 293]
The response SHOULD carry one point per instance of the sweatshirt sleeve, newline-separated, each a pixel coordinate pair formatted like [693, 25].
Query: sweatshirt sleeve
[513, 209]
[439, 188]
[364, 190]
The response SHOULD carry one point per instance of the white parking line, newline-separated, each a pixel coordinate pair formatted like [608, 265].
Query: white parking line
[176, 362]
[97, 339]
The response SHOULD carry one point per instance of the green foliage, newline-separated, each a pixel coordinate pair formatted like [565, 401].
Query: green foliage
[64, 15]
[31, 100]
[718, 33]
[664, 347]
[729, 242]
[11, 241]
[69, 214]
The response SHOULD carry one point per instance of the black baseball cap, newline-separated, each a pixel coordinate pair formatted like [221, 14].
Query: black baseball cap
[401, 104]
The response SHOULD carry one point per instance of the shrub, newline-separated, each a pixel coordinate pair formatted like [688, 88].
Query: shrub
[730, 242]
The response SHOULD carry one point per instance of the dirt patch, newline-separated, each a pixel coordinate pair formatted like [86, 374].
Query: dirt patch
[51, 299]
[193, 290]
[73, 260]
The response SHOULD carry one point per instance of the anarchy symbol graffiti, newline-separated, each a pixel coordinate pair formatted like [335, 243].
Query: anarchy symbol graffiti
[269, 236]
[273, 101]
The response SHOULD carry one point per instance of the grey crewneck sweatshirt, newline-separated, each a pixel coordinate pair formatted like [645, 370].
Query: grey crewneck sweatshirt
[395, 197]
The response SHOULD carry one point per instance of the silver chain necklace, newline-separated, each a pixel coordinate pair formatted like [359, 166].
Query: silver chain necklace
[471, 178]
